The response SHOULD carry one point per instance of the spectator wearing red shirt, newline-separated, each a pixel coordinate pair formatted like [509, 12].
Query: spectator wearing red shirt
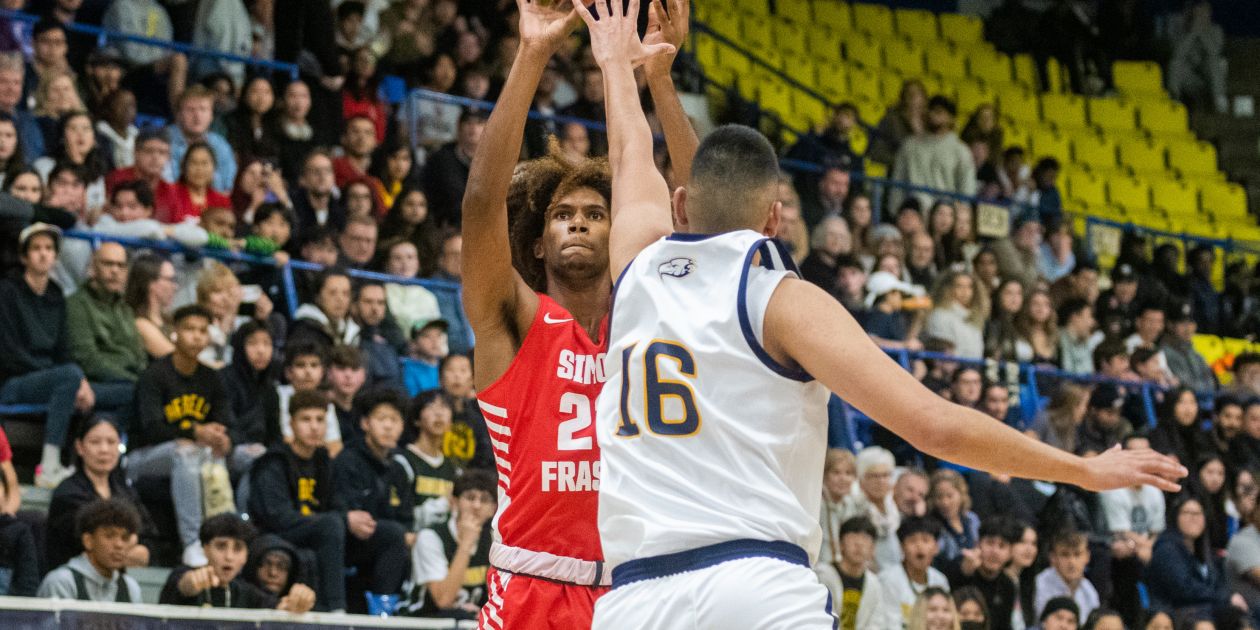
[194, 191]
[11, 498]
[358, 142]
[153, 151]
[360, 96]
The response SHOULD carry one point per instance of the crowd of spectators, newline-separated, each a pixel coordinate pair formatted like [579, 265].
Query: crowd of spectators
[344, 425]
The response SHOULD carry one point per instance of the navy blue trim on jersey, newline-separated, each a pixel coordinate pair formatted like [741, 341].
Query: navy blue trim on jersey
[831, 612]
[745, 322]
[688, 237]
[705, 557]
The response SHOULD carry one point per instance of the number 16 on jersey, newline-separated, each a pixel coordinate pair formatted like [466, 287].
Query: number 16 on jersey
[653, 386]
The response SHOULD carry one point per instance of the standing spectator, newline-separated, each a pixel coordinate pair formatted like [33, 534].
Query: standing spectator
[102, 334]
[446, 171]
[249, 128]
[1017, 255]
[908, 117]
[431, 473]
[1177, 347]
[1198, 68]
[37, 367]
[450, 269]
[316, 203]
[195, 191]
[222, 26]
[874, 500]
[450, 559]
[193, 115]
[950, 503]
[959, 313]
[935, 158]
[1076, 329]
[904, 582]
[829, 240]
[380, 354]
[184, 415]
[107, 530]
[1065, 577]
[360, 97]
[293, 131]
[1204, 299]
[12, 76]
[152, 153]
[1184, 575]
[861, 596]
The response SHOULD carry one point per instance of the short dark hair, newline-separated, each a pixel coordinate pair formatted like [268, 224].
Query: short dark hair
[1142, 355]
[444, 361]
[1109, 350]
[44, 25]
[345, 356]
[912, 525]
[1226, 400]
[848, 261]
[1068, 539]
[1245, 359]
[1151, 305]
[151, 133]
[476, 479]
[1072, 307]
[1046, 164]
[378, 396]
[846, 106]
[349, 8]
[1001, 526]
[107, 513]
[941, 101]
[859, 525]
[328, 274]
[307, 399]
[270, 209]
[191, 310]
[139, 188]
[66, 167]
[316, 234]
[226, 526]
[304, 349]
[731, 164]
[358, 289]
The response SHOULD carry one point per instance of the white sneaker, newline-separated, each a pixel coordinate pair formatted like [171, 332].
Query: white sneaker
[195, 556]
[49, 477]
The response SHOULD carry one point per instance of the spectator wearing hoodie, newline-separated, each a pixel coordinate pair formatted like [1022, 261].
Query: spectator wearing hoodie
[275, 565]
[251, 379]
[326, 321]
[105, 530]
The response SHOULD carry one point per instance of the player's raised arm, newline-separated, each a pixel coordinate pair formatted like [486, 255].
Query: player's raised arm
[806, 326]
[680, 135]
[640, 196]
[499, 303]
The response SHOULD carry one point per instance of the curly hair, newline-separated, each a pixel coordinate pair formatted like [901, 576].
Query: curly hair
[535, 185]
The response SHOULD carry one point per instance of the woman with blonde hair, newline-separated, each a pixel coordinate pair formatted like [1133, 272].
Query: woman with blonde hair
[55, 96]
[1057, 425]
[221, 293]
[839, 502]
[934, 610]
[959, 313]
[950, 503]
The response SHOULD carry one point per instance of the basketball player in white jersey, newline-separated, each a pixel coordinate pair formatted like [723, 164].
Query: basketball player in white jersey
[712, 421]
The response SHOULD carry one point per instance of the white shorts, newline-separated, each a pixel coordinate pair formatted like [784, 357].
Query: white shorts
[748, 593]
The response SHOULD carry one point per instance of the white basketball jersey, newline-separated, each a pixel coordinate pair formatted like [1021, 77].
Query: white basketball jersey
[704, 437]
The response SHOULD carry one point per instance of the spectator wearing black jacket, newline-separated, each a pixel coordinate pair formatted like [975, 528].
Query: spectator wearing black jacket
[19, 564]
[983, 567]
[1183, 574]
[291, 495]
[275, 565]
[445, 173]
[1177, 431]
[467, 443]
[378, 498]
[251, 379]
[379, 352]
[97, 477]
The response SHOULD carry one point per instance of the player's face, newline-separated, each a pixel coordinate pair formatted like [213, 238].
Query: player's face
[575, 240]
[226, 556]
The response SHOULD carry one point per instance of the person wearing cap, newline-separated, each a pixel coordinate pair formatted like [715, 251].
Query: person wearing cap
[36, 365]
[1060, 613]
[883, 319]
[1104, 426]
[1018, 253]
[429, 345]
[1076, 337]
[1117, 307]
[1182, 360]
[446, 171]
[935, 158]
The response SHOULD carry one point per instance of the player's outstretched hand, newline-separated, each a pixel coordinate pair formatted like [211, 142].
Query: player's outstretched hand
[668, 28]
[615, 35]
[1120, 468]
[545, 23]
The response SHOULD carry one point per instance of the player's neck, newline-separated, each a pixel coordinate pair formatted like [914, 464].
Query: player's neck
[587, 301]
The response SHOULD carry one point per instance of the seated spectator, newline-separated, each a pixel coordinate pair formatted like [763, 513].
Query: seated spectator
[294, 134]
[358, 141]
[12, 76]
[1111, 360]
[409, 220]
[884, 319]
[1177, 431]
[1076, 330]
[377, 335]
[77, 147]
[910, 492]
[1058, 423]
[428, 347]
[995, 402]
[225, 540]
[921, 266]
[55, 98]
[827, 196]
[873, 499]
[1104, 427]
[838, 501]
[291, 496]
[248, 128]
[107, 531]
[276, 566]
[984, 570]
[451, 557]
[375, 490]
[97, 477]
[1065, 577]
[1081, 284]
[1045, 195]
[12, 157]
[357, 242]
[151, 287]
[1208, 484]
[409, 304]
[1037, 331]
[394, 166]
[152, 152]
[449, 269]
[19, 562]
[326, 322]
[850, 582]
[130, 214]
[942, 219]
[904, 581]
[360, 198]
[194, 112]
[430, 472]
[251, 379]
[446, 171]
[1247, 455]
[1017, 254]
[969, 602]
[219, 293]
[1177, 347]
[185, 418]
[1205, 300]
[1020, 570]
[37, 367]
[950, 504]
[1227, 432]
[258, 182]
[304, 368]
[346, 378]
[985, 265]
[850, 285]
[1184, 575]
[10, 501]
[117, 127]
[959, 314]
[1060, 613]
[1242, 560]
[193, 191]
[468, 440]
[1000, 334]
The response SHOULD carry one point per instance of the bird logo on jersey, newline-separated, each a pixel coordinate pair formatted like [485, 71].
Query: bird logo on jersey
[677, 267]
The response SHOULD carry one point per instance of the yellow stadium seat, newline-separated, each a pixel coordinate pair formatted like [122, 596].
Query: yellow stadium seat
[869, 109]
[970, 95]
[1097, 153]
[1137, 77]
[875, 19]
[1113, 114]
[1209, 347]
[833, 15]
[758, 32]
[863, 83]
[790, 37]
[1019, 105]
[946, 62]
[865, 51]
[799, 11]
[1160, 116]
[1143, 156]
[833, 80]
[753, 7]
[990, 66]
[918, 25]
[810, 111]
[1223, 199]
[1129, 192]
[1192, 159]
[1049, 143]
[1085, 187]
[823, 44]
[727, 24]
[802, 69]
[961, 29]
[1066, 111]
[707, 51]
[771, 56]
[774, 94]
[1016, 136]
[889, 87]
[1025, 71]
[904, 57]
[1178, 198]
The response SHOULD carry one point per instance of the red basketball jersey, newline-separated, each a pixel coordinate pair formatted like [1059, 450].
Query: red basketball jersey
[541, 418]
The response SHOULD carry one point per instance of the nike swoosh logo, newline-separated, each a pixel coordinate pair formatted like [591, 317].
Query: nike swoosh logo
[547, 319]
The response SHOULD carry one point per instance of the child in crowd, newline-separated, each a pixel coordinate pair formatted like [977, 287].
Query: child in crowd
[1065, 577]
[304, 366]
[432, 474]
[858, 595]
[107, 530]
[904, 582]
[450, 558]
[346, 376]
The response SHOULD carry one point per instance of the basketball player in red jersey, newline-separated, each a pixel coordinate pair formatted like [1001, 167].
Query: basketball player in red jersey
[537, 295]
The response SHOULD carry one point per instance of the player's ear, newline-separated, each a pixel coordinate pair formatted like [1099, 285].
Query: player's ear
[772, 221]
[680, 207]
